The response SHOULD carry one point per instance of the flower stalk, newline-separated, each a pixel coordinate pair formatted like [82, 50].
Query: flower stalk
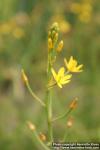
[60, 78]
[49, 102]
[30, 89]
[66, 113]
[52, 39]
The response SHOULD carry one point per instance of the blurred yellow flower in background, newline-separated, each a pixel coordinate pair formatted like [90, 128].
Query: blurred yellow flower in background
[5, 28]
[72, 65]
[18, 33]
[76, 8]
[61, 78]
[85, 17]
[64, 25]
[83, 10]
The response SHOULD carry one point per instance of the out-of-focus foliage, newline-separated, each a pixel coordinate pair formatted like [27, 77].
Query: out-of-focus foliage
[23, 44]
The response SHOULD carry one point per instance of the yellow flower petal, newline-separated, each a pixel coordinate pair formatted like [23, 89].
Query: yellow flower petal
[54, 73]
[65, 82]
[67, 77]
[65, 61]
[59, 85]
[61, 71]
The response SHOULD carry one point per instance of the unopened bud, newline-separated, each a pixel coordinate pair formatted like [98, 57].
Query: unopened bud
[60, 46]
[31, 126]
[24, 77]
[50, 44]
[49, 33]
[42, 137]
[56, 37]
[55, 26]
[73, 104]
[53, 33]
[70, 122]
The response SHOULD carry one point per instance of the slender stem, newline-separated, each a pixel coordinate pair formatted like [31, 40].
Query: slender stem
[49, 102]
[65, 136]
[34, 95]
[49, 114]
[63, 115]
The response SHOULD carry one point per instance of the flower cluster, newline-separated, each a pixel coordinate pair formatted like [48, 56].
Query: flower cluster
[64, 74]
[83, 10]
[62, 77]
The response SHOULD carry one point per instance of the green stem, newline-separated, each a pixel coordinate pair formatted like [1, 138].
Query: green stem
[63, 115]
[49, 102]
[34, 95]
[49, 114]
[65, 136]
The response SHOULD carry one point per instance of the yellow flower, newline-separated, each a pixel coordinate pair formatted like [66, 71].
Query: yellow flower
[65, 26]
[85, 17]
[5, 28]
[61, 78]
[18, 33]
[76, 8]
[72, 65]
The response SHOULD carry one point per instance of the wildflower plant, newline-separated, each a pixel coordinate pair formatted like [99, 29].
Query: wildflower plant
[60, 78]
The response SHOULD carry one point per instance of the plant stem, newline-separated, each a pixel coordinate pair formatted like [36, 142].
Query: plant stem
[49, 103]
[63, 115]
[65, 136]
[34, 95]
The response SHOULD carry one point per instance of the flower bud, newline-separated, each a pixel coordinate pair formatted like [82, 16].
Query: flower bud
[56, 37]
[55, 26]
[73, 104]
[31, 126]
[70, 122]
[42, 137]
[60, 46]
[50, 44]
[24, 77]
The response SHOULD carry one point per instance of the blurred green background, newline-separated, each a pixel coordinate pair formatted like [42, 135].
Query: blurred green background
[24, 26]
